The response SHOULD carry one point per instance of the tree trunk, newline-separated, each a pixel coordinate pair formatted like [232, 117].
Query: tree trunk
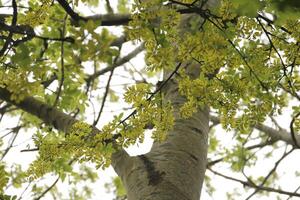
[173, 169]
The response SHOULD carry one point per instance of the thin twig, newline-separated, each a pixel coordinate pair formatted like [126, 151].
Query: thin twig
[281, 60]
[293, 131]
[48, 189]
[62, 63]
[108, 6]
[247, 184]
[122, 122]
[13, 23]
[294, 192]
[118, 63]
[155, 92]
[285, 154]
[15, 131]
[104, 97]
[75, 16]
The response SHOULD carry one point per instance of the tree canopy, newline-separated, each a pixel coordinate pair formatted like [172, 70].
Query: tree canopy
[58, 60]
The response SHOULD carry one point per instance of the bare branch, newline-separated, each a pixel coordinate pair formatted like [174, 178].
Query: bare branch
[108, 7]
[51, 116]
[118, 63]
[13, 23]
[70, 11]
[27, 30]
[104, 97]
[274, 134]
[247, 184]
[293, 135]
[15, 132]
[271, 172]
[106, 19]
[48, 189]
[110, 19]
[62, 63]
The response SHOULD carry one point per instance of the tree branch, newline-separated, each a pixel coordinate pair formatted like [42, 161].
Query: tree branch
[61, 121]
[51, 116]
[110, 19]
[247, 184]
[293, 135]
[13, 23]
[47, 190]
[27, 30]
[104, 97]
[270, 173]
[106, 19]
[274, 134]
[118, 63]
[65, 5]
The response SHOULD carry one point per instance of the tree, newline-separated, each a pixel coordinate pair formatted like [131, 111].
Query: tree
[225, 62]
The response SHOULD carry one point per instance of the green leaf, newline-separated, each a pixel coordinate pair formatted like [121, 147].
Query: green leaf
[246, 8]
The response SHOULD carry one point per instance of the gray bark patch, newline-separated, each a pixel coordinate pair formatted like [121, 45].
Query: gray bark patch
[154, 176]
[193, 157]
[197, 130]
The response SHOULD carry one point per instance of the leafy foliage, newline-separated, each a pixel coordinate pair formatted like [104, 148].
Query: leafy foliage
[4, 178]
[248, 65]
